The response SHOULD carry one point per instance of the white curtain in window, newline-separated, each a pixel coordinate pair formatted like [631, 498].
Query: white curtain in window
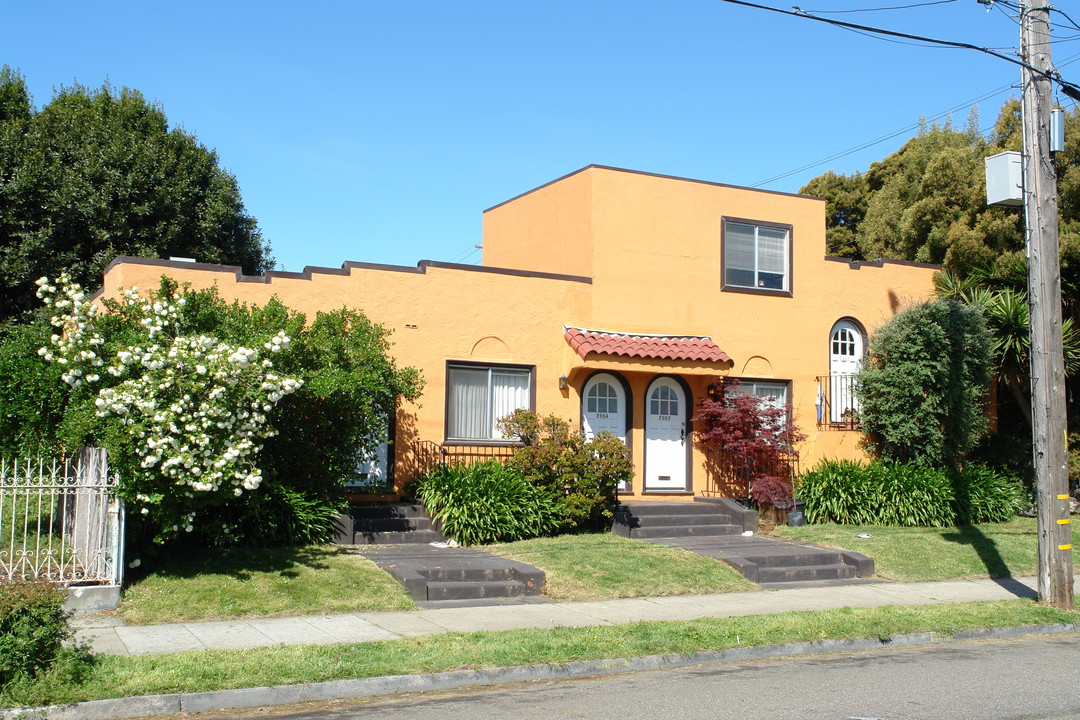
[774, 395]
[467, 414]
[509, 392]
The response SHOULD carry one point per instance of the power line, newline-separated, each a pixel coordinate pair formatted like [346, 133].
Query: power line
[895, 7]
[883, 138]
[1066, 87]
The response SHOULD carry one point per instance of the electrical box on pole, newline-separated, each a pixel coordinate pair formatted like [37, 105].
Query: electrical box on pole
[1005, 179]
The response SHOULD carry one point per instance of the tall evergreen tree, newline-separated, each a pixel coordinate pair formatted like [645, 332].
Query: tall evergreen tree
[98, 173]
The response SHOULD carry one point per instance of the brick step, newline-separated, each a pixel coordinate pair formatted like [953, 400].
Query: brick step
[474, 590]
[407, 537]
[671, 531]
[805, 573]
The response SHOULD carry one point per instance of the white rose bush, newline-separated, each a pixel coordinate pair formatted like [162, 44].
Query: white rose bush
[184, 414]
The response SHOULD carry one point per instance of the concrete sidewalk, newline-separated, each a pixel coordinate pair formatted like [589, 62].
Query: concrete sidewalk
[109, 635]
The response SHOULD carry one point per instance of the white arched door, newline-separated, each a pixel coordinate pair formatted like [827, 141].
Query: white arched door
[845, 359]
[603, 406]
[665, 436]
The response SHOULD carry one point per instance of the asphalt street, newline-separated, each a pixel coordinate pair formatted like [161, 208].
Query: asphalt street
[1035, 678]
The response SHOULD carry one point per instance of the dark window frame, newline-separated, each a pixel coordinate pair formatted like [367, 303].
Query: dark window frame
[726, 287]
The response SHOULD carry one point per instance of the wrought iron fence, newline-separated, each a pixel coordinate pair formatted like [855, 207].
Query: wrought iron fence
[60, 520]
[837, 403]
[730, 475]
[430, 455]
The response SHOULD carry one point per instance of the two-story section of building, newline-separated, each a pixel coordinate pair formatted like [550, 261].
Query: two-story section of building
[617, 299]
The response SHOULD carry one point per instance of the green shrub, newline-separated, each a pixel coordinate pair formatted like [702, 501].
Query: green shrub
[912, 496]
[985, 495]
[275, 516]
[33, 630]
[487, 502]
[836, 491]
[922, 390]
[578, 475]
[906, 495]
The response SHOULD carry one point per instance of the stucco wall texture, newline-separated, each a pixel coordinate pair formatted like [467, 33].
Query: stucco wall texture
[603, 249]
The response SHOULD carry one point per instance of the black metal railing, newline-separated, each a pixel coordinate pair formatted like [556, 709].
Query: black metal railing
[730, 475]
[837, 403]
[428, 455]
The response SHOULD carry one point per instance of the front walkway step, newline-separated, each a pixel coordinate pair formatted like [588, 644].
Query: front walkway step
[387, 524]
[643, 533]
[435, 575]
[776, 562]
[656, 519]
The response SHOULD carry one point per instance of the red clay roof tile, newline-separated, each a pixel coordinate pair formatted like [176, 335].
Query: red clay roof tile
[660, 347]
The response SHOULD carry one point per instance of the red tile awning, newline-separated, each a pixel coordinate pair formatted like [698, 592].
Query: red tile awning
[660, 347]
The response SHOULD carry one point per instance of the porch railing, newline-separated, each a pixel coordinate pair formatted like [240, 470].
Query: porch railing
[60, 520]
[730, 475]
[837, 403]
[429, 455]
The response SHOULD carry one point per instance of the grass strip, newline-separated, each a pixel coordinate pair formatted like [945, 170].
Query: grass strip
[116, 676]
[920, 554]
[604, 567]
[260, 582]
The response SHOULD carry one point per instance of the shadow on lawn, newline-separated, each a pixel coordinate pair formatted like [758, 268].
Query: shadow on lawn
[991, 558]
[239, 563]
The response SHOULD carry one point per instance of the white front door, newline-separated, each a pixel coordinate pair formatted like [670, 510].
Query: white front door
[665, 436]
[603, 406]
[845, 359]
[603, 409]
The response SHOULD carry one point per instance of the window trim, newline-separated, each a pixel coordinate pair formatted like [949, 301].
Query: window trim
[726, 287]
[470, 364]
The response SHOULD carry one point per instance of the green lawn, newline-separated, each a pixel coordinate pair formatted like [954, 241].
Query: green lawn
[604, 566]
[116, 676]
[257, 582]
[927, 554]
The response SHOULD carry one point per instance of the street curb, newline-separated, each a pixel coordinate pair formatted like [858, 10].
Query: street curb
[142, 706]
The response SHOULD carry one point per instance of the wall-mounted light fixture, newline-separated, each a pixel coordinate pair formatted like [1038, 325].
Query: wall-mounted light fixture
[712, 391]
[562, 382]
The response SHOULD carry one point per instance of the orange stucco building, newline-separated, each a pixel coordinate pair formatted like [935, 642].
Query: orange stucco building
[617, 299]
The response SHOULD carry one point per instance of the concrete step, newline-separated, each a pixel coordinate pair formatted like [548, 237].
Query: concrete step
[387, 511]
[672, 531]
[406, 537]
[683, 520]
[670, 508]
[474, 590]
[796, 559]
[469, 574]
[392, 524]
[803, 573]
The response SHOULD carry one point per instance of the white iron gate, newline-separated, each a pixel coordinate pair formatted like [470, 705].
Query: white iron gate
[60, 520]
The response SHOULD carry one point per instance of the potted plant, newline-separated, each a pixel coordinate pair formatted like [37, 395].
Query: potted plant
[774, 497]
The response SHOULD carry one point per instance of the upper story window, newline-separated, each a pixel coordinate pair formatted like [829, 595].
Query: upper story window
[756, 257]
[478, 396]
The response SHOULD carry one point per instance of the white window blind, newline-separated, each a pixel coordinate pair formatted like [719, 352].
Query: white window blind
[756, 256]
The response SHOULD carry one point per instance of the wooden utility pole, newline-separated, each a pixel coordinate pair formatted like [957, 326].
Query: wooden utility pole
[1044, 298]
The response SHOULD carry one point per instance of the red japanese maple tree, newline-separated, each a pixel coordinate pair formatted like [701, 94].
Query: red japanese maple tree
[752, 433]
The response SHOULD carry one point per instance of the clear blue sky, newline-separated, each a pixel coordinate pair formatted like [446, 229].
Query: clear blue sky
[380, 131]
